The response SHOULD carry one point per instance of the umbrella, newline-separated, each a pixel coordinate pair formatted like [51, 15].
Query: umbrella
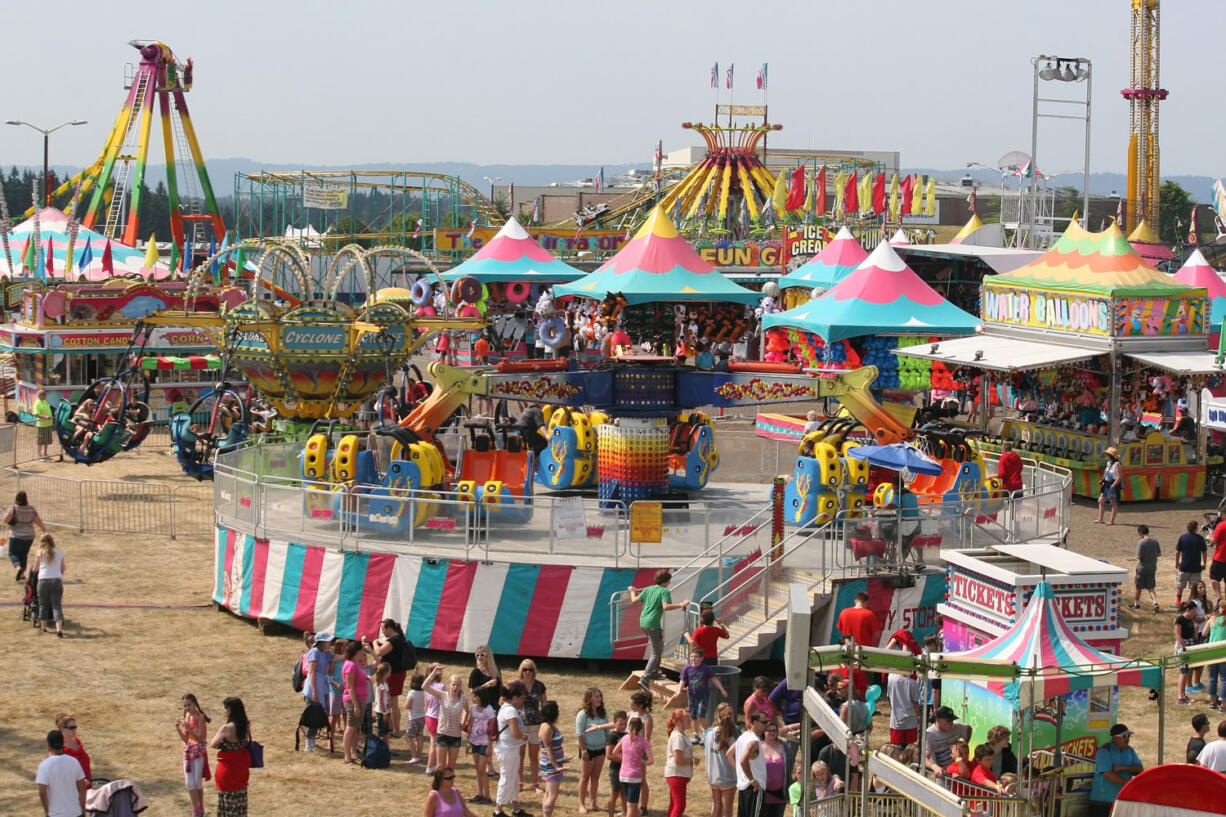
[902, 457]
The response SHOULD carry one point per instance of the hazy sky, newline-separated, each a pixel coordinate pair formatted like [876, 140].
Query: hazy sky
[943, 81]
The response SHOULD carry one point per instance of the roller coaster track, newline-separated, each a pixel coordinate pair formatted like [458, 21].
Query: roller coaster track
[470, 195]
[630, 208]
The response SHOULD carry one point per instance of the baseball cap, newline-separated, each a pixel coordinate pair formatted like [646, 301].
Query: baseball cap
[1120, 730]
[322, 638]
[945, 713]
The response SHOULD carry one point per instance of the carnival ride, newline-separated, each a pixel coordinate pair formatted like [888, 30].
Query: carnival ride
[1143, 95]
[115, 181]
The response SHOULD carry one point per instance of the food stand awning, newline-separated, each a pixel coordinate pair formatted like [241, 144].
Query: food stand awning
[513, 255]
[180, 364]
[1000, 353]
[1180, 362]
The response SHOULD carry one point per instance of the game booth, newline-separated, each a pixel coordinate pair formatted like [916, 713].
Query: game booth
[1056, 615]
[1088, 347]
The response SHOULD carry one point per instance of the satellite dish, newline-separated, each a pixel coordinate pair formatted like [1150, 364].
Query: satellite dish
[1013, 160]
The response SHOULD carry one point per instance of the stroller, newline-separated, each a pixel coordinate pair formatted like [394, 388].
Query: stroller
[114, 798]
[29, 602]
[1212, 518]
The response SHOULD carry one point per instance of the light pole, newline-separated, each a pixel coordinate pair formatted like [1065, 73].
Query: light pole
[46, 132]
[492, 182]
[1058, 69]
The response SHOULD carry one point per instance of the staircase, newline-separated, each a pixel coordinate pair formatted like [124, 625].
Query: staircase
[129, 147]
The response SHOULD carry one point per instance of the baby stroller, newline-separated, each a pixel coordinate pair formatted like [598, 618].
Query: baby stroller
[29, 602]
[114, 798]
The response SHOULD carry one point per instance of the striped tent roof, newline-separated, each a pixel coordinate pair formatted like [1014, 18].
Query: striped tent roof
[1197, 272]
[1052, 658]
[513, 255]
[834, 263]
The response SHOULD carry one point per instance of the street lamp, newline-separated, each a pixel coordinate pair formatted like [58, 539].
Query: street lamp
[492, 182]
[1059, 69]
[46, 132]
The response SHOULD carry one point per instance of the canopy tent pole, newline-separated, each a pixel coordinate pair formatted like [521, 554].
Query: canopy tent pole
[1113, 435]
[1161, 712]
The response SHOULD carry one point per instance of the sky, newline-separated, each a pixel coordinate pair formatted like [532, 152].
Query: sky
[945, 82]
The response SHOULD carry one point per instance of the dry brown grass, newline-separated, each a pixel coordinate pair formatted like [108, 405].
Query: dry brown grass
[122, 671]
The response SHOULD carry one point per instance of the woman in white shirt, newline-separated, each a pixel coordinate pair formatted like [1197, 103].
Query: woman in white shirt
[50, 584]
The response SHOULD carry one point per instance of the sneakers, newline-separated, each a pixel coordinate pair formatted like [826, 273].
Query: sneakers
[1185, 701]
[310, 745]
[1213, 705]
[1175, 606]
[1136, 605]
[1196, 688]
[519, 812]
[1156, 607]
[696, 740]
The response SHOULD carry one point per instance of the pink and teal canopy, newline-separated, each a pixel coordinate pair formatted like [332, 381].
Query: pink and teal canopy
[53, 225]
[1052, 659]
[1197, 272]
[513, 255]
[658, 265]
[882, 296]
[834, 263]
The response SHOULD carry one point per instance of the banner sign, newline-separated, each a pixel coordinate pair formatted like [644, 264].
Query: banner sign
[646, 521]
[1066, 312]
[325, 198]
[741, 253]
[1213, 413]
[569, 519]
[1159, 316]
[561, 242]
[741, 110]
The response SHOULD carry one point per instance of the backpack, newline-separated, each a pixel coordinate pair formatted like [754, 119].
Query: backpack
[403, 657]
[299, 677]
[491, 730]
[378, 755]
[313, 717]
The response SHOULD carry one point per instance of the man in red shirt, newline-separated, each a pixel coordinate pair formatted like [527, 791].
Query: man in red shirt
[1217, 569]
[1009, 468]
[860, 623]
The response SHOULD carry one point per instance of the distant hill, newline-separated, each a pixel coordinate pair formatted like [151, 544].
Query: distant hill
[1101, 184]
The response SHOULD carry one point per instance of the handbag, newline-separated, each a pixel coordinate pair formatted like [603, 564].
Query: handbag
[256, 750]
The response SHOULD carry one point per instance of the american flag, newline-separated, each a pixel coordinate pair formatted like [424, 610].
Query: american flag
[728, 76]
[762, 77]
[715, 75]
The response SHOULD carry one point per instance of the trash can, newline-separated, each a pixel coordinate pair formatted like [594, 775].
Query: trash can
[730, 679]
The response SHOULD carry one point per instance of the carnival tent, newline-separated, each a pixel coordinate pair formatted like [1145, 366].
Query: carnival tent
[969, 227]
[881, 296]
[1147, 243]
[1097, 264]
[899, 238]
[513, 255]
[658, 265]
[1172, 790]
[836, 260]
[1196, 272]
[1052, 659]
[53, 225]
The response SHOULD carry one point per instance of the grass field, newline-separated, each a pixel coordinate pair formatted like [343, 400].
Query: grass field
[122, 671]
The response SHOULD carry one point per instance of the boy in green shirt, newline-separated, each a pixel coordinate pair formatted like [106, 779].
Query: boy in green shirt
[656, 601]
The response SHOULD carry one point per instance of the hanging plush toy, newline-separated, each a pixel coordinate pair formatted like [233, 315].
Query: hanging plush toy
[777, 346]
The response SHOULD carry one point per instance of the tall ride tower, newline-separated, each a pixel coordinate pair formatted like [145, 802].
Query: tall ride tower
[1143, 97]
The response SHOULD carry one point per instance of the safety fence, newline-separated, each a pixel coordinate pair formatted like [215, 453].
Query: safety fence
[19, 443]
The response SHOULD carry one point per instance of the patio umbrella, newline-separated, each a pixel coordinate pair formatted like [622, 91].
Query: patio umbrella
[904, 458]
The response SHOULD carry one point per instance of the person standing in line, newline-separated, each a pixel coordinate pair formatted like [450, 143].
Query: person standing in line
[355, 693]
[633, 752]
[720, 772]
[552, 761]
[1189, 561]
[192, 727]
[318, 664]
[1214, 630]
[397, 651]
[904, 695]
[592, 728]
[476, 723]
[510, 738]
[444, 799]
[21, 519]
[616, 791]
[1109, 486]
[1217, 567]
[1185, 636]
[1115, 763]
[656, 600]
[1213, 756]
[679, 763]
[61, 782]
[531, 714]
[1148, 551]
[43, 423]
[233, 759]
[1200, 728]
[51, 567]
[746, 757]
[859, 622]
[485, 679]
[450, 716]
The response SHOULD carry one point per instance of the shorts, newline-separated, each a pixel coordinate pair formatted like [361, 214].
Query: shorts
[615, 781]
[193, 776]
[901, 737]
[447, 741]
[1145, 578]
[1186, 578]
[415, 728]
[632, 790]
[1110, 492]
[432, 726]
[479, 749]
[698, 706]
[1217, 570]
[382, 725]
[533, 736]
[592, 754]
[44, 435]
[395, 684]
[351, 709]
[335, 704]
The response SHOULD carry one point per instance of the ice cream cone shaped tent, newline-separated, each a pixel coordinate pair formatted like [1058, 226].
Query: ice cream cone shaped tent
[881, 296]
[969, 227]
[1196, 272]
[53, 227]
[899, 239]
[1147, 243]
[1053, 660]
[513, 255]
[657, 265]
[834, 263]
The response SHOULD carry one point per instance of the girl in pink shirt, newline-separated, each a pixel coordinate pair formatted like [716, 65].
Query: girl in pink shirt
[634, 753]
[356, 693]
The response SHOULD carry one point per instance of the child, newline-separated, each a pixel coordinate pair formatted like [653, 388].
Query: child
[706, 637]
[476, 723]
[634, 753]
[451, 708]
[961, 766]
[812, 423]
[697, 677]
[415, 706]
[336, 703]
[640, 712]
[382, 704]
[1185, 636]
[432, 702]
[615, 735]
